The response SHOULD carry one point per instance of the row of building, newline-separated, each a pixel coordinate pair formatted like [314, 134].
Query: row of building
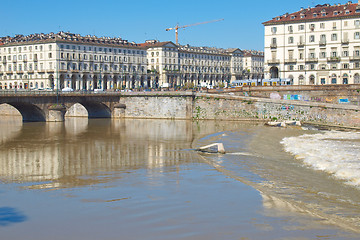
[319, 45]
[60, 60]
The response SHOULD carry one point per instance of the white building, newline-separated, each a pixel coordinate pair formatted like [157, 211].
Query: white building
[66, 60]
[173, 65]
[319, 45]
[53, 61]
[253, 64]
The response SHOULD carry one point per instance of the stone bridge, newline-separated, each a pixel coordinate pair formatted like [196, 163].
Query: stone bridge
[51, 107]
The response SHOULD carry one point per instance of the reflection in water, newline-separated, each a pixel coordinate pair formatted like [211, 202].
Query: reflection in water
[65, 152]
[10, 215]
[10, 127]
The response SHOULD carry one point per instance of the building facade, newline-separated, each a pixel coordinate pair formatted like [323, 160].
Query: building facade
[175, 65]
[319, 45]
[56, 61]
[253, 64]
[66, 60]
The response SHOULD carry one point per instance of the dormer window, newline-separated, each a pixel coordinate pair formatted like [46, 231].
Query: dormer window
[278, 18]
[347, 12]
[335, 13]
[302, 16]
[292, 17]
[315, 15]
[323, 14]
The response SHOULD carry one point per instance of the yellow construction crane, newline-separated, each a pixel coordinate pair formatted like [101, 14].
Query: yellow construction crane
[177, 27]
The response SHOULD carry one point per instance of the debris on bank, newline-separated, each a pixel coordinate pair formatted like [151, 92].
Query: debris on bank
[283, 124]
[212, 148]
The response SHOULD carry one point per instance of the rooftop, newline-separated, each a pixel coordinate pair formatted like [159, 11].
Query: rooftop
[63, 36]
[319, 12]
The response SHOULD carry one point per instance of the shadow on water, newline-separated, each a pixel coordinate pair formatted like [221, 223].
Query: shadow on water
[9, 215]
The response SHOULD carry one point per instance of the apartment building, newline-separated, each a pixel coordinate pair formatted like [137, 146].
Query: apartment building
[319, 45]
[67, 60]
[56, 61]
[175, 65]
[253, 64]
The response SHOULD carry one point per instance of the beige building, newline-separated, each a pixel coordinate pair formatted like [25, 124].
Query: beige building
[56, 61]
[253, 64]
[172, 65]
[319, 45]
[84, 63]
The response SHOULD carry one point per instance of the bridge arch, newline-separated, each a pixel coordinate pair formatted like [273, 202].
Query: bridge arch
[29, 112]
[94, 110]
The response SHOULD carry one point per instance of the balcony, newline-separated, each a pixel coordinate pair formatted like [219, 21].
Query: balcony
[322, 43]
[30, 71]
[50, 71]
[312, 60]
[41, 71]
[273, 61]
[290, 61]
[19, 72]
[62, 71]
[74, 71]
[333, 59]
[345, 41]
[9, 72]
[273, 45]
[355, 58]
[301, 44]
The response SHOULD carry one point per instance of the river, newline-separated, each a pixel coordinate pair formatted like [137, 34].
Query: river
[141, 179]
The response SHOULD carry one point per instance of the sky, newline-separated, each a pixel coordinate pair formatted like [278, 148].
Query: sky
[142, 20]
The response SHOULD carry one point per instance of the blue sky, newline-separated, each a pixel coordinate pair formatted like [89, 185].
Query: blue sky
[141, 20]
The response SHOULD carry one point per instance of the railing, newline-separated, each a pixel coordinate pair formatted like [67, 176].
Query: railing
[312, 59]
[274, 61]
[291, 60]
[333, 59]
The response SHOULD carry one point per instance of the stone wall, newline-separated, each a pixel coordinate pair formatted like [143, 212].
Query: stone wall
[314, 93]
[225, 107]
[158, 106]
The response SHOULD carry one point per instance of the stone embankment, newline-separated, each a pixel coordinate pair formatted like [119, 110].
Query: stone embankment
[227, 106]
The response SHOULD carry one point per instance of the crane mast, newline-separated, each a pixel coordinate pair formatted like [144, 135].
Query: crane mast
[177, 27]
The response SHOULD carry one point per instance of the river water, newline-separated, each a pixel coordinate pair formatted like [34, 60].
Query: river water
[141, 179]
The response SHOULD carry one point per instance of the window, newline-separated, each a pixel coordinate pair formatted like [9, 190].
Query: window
[323, 38]
[357, 35]
[334, 37]
[312, 27]
[322, 25]
[345, 23]
[301, 67]
[345, 53]
[345, 66]
[291, 40]
[334, 25]
[357, 23]
[273, 42]
[290, 28]
[301, 27]
[50, 54]
[312, 38]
